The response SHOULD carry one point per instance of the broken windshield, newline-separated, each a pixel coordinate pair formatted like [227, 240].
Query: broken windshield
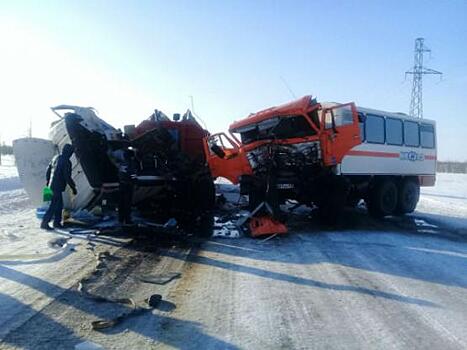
[280, 127]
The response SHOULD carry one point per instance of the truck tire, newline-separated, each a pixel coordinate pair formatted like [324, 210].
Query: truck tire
[408, 195]
[204, 197]
[382, 199]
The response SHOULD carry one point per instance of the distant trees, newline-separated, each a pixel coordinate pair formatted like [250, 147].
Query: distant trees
[5, 149]
[452, 167]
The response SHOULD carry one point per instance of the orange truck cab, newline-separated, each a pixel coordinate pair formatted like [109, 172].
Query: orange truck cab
[281, 152]
[296, 151]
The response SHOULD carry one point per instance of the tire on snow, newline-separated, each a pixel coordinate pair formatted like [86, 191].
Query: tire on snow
[382, 199]
[408, 196]
[204, 195]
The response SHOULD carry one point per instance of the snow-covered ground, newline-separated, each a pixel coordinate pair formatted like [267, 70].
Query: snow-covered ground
[13, 199]
[446, 202]
[27, 258]
[364, 288]
[9, 179]
[8, 168]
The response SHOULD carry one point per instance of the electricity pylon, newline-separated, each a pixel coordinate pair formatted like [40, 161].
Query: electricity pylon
[418, 70]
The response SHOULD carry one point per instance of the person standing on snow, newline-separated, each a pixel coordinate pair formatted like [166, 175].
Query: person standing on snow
[58, 176]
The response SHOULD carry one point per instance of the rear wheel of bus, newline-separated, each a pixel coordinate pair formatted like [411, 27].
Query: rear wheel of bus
[408, 196]
[382, 198]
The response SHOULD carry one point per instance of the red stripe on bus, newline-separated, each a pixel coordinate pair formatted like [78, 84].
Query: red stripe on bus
[373, 154]
[383, 154]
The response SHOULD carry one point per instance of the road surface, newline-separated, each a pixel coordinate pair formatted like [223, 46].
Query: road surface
[392, 284]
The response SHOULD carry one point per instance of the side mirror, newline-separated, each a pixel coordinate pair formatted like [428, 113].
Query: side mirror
[361, 117]
[217, 150]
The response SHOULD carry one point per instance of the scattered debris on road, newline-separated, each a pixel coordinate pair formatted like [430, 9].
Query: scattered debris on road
[163, 278]
[154, 300]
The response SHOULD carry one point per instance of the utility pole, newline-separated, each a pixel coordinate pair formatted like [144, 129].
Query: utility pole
[30, 128]
[418, 70]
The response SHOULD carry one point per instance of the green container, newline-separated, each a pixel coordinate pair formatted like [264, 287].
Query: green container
[47, 194]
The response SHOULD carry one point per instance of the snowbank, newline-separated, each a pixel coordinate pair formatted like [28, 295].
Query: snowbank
[8, 168]
[446, 202]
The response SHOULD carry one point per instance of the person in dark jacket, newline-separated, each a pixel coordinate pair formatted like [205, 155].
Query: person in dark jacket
[58, 176]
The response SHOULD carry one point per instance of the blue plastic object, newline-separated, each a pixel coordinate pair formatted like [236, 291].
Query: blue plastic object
[40, 212]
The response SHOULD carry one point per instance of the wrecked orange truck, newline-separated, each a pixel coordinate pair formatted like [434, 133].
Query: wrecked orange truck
[327, 155]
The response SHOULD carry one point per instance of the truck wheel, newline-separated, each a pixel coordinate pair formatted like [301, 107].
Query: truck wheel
[409, 193]
[382, 199]
[203, 197]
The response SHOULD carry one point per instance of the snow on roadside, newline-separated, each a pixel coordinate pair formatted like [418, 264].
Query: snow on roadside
[8, 167]
[446, 202]
[448, 186]
[12, 195]
[19, 227]
[32, 270]
[9, 179]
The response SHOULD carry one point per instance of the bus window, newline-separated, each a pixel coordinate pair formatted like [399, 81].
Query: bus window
[411, 134]
[374, 129]
[427, 136]
[394, 131]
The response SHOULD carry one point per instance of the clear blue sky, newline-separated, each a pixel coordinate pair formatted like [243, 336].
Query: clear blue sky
[127, 58]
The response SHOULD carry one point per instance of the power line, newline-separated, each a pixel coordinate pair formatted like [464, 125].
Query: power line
[418, 70]
[288, 87]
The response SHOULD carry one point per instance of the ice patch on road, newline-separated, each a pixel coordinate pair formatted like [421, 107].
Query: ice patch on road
[420, 222]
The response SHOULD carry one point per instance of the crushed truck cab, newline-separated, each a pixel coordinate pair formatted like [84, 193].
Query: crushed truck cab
[296, 151]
